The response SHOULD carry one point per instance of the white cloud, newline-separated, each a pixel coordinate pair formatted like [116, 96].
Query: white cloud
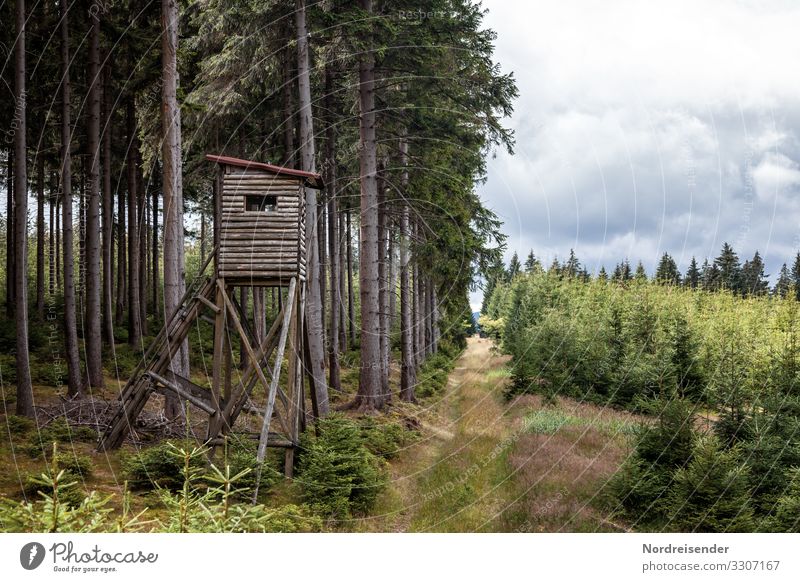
[645, 127]
[775, 176]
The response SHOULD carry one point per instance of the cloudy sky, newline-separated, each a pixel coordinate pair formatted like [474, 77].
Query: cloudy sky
[645, 127]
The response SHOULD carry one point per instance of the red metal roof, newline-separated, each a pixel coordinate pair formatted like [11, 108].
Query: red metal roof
[311, 179]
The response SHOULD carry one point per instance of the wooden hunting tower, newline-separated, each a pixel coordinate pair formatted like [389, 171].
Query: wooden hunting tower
[259, 236]
[261, 222]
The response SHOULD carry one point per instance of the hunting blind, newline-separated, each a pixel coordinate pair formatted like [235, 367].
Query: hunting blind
[259, 235]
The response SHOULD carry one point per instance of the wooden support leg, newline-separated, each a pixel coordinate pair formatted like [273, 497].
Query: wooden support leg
[294, 384]
[214, 423]
[273, 386]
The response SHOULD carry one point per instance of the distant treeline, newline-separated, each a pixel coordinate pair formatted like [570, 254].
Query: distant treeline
[724, 272]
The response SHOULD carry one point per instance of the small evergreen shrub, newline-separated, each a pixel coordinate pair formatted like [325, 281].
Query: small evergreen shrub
[240, 456]
[17, 425]
[385, 439]
[712, 493]
[638, 490]
[159, 466]
[434, 373]
[338, 475]
[58, 431]
[787, 511]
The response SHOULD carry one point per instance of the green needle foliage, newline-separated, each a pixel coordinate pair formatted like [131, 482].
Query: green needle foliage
[715, 343]
[338, 475]
[712, 493]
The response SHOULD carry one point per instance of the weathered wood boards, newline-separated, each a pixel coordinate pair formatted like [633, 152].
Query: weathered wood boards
[262, 232]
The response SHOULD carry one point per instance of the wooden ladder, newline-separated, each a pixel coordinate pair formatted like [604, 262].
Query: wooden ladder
[153, 374]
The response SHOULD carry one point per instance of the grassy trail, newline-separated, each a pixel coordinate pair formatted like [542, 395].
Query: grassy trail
[487, 464]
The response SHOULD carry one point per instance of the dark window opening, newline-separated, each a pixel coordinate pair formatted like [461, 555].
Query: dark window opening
[260, 203]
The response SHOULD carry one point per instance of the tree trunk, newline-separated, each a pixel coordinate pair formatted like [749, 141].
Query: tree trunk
[174, 284]
[392, 251]
[154, 247]
[368, 396]
[10, 268]
[351, 309]
[122, 261]
[202, 238]
[24, 388]
[146, 285]
[108, 213]
[383, 290]
[428, 311]
[314, 322]
[94, 356]
[419, 329]
[342, 277]
[74, 384]
[141, 208]
[333, 237]
[288, 109]
[259, 323]
[322, 227]
[51, 242]
[434, 319]
[59, 202]
[134, 321]
[40, 237]
[82, 242]
[408, 368]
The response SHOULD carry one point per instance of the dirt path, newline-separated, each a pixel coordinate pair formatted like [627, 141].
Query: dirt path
[455, 477]
[487, 464]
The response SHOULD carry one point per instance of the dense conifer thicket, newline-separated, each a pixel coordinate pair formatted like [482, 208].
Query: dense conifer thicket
[107, 124]
[713, 356]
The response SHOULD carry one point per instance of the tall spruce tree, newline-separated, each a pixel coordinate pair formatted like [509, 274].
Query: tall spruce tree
[693, 275]
[641, 274]
[514, 266]
[728, 274]
[784, 282]
[531, 263]
[796, 275]
[572, 268]
[753, 279]
[667, 271]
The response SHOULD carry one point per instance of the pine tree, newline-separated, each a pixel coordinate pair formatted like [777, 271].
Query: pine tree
[783, 283]
[753, 279]
[514, 267]
[711, 494]
[693, 276]
[622, 272]
[729, 270]
[667, 271]
[532, 263]
[602, 275]
[685, 359]
[796, 275]
[572, 267]
[787, 511]
[710, 276]
[641, 274]
[24, 386]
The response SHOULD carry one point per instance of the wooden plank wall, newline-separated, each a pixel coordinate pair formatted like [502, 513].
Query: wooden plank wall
[261, 245]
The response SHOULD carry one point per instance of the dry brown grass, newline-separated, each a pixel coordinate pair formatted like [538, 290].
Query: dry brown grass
[559, 476]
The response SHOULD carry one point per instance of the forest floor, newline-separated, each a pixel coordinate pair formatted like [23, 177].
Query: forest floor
[482, 463]
[488, 464]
